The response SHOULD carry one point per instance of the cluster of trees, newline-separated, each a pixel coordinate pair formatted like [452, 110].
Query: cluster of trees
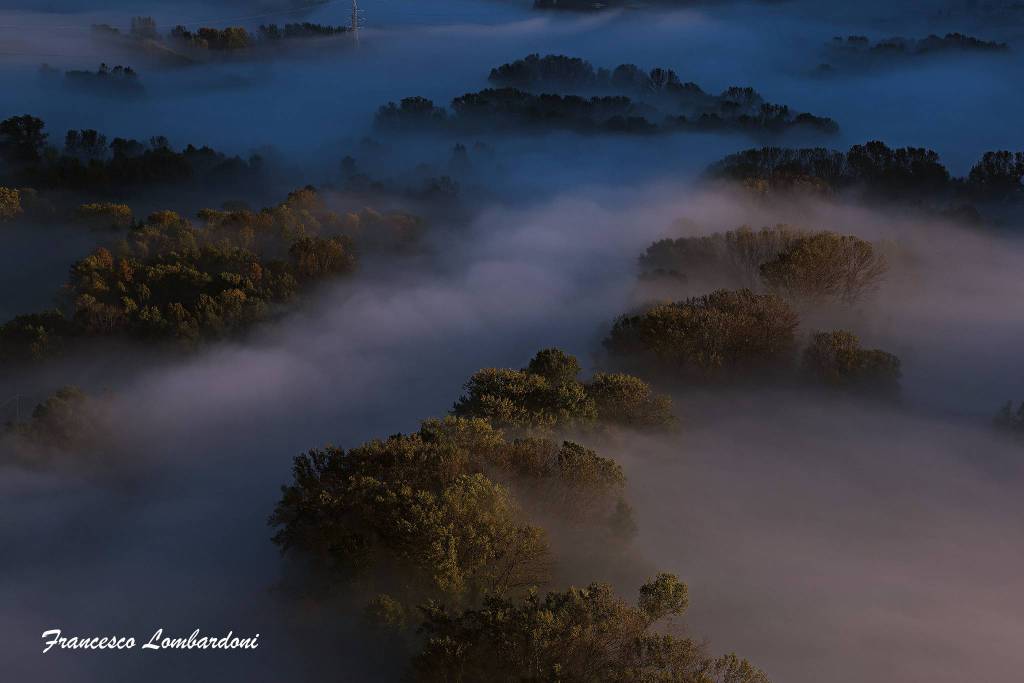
[118, 81]
[88, 162]
[874, 167]
[504, 108]
[803, 267]
[579, 635]
[68, 419]
[997, 176]
[304, 29]
[824, 266]
[439, 515]
[625, 99]
[687, 104]
[570, 74]
[859, 52]
[441, 529]
[835, 359]
[26, 203]
[171, 280]
[206, 38]
[547, 395]
[907, 47]
[106, 215]
[221, 39]
[738, 335]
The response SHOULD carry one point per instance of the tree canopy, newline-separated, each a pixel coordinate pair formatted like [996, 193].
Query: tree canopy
[172, 280]
[825, 267]
[836, 359]
[439, 514]
[580, 635]
[547, 395]
[723, 336]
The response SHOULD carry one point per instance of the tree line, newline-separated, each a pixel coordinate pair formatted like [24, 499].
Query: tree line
[738, 336]
[563, 92]
[442, 535]
[804, 267]
[905, 174]
[171, 281]
[89, 162]
[226, 39]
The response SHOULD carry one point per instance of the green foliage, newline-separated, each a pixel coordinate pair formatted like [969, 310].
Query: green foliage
[206, 38]
[172, 280]
[873, 167]
[554, 365]
[730, 258]
[88, 163]
[628, 401]
[66, 420]
[581, 635]
[22, 139]
[825, 266]
[512, 108]
[10, 203]
[998, 175]
[556, 91]
[664, 596]
[299, 30]
[439, 514]
[800, 266]
[726, 335]
[413, 516]
[519, 399]
[546, 395]
[836, 359]
[316, 258]
[33, 337]
[100, 215]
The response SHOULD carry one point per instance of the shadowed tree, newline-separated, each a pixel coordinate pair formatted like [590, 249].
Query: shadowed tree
[546, 395]
[837, 360]
[22, 139]
[825, 266]
[726, 335]
[581, 635]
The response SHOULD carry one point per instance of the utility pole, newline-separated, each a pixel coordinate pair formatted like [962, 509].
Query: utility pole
[355, 21]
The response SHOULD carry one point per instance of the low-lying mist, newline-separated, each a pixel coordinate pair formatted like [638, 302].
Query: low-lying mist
[795, 522]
